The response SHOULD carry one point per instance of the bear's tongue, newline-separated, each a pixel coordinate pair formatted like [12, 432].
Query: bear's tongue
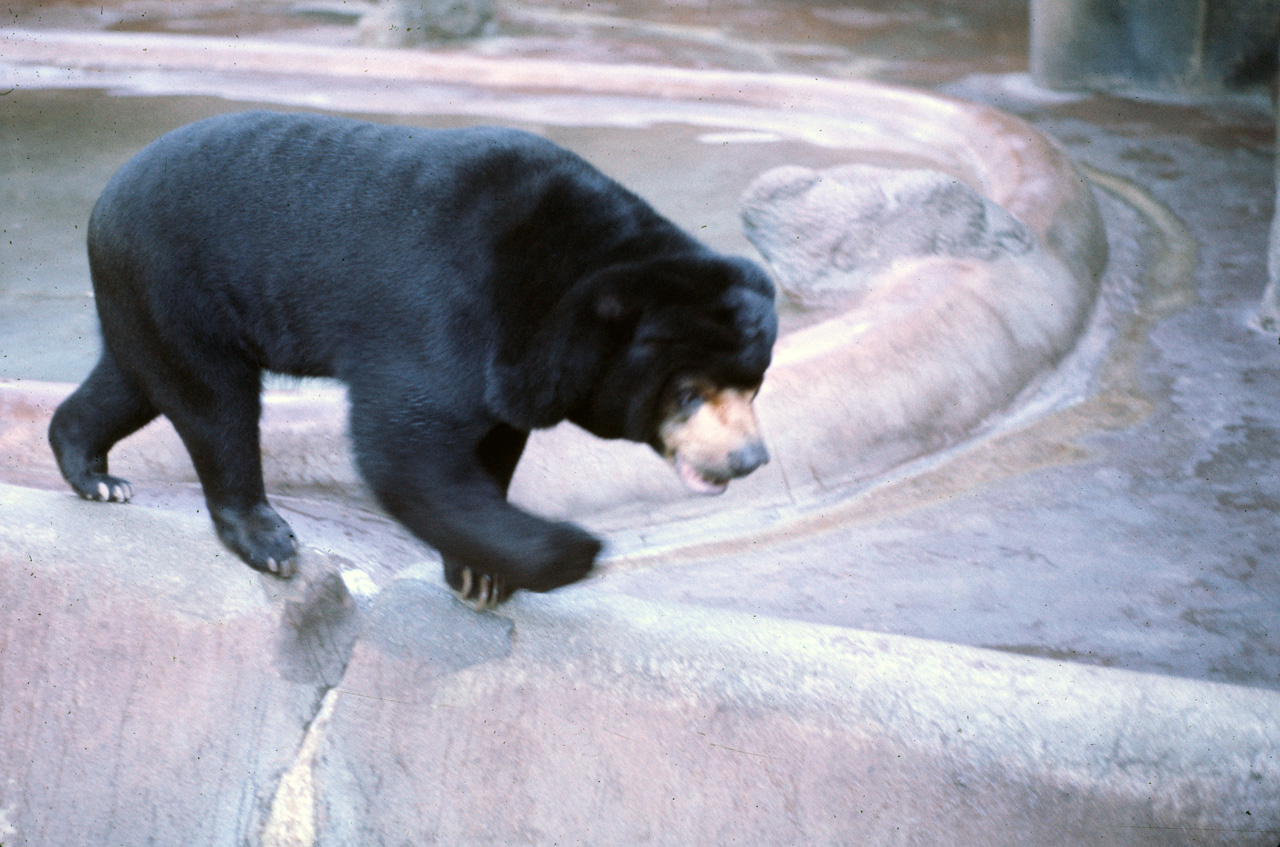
[696, 482]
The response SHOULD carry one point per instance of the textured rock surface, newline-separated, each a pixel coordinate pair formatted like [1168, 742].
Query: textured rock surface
[827, 233]
[158, 692]
[154, 689]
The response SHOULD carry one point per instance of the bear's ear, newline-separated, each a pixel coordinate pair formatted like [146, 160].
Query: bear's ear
[610, 308]
[616, 291]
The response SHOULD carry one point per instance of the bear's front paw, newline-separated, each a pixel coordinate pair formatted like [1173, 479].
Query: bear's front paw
[483, 591]
[564, 555]
[567, 555]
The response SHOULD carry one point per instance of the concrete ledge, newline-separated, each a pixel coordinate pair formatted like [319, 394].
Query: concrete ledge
[303, 431]
[157, 691]
[591, 718]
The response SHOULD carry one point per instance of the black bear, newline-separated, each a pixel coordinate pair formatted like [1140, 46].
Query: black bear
[466, 285]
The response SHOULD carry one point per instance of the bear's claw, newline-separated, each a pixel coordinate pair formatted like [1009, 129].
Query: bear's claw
[106, 489]
[484, 593]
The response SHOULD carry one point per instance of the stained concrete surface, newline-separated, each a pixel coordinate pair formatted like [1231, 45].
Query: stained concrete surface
[1147, 541]
[1143, 537]
[1134, 525]
[922, 43]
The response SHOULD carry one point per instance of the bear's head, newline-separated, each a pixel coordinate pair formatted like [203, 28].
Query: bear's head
[692, 336]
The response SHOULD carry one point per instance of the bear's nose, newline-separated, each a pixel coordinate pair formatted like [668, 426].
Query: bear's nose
[746, 459]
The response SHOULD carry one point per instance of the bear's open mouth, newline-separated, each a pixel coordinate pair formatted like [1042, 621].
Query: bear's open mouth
[698, 481]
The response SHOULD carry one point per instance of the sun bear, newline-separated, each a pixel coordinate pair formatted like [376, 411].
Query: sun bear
[467, 286]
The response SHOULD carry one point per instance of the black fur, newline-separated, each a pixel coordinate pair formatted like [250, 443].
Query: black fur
[466, 285]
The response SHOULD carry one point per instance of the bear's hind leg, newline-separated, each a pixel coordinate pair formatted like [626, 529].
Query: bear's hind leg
[218, 422]
[107, 407]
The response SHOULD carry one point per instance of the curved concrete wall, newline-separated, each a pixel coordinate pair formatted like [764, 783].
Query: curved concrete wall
[948, 343]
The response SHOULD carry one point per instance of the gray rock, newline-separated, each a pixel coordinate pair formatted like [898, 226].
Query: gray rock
[589, 717]
[156, 691]
[405, 23]
[826, 233]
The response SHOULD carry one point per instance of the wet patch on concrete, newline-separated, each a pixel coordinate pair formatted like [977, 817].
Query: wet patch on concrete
[318, 632]
[923, 43]
[48, 326]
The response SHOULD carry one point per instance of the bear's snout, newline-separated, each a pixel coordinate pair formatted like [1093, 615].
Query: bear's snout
[718, 441]
[746, 459]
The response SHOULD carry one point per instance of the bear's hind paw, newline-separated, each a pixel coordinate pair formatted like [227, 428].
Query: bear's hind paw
[105, 489]
[260, 537]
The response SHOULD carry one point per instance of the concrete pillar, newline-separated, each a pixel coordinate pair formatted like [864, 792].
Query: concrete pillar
[1205, 46]
[1269, 308]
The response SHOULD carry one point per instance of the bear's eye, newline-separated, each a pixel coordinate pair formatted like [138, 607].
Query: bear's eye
[686, 396]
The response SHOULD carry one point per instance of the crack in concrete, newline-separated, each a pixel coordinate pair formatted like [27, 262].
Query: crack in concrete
[318, 634]
[292, 819]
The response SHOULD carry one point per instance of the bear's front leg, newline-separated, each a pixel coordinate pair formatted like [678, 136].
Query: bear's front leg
[446, 481]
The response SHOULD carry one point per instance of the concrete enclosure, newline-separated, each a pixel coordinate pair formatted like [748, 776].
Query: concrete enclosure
[967, 433]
